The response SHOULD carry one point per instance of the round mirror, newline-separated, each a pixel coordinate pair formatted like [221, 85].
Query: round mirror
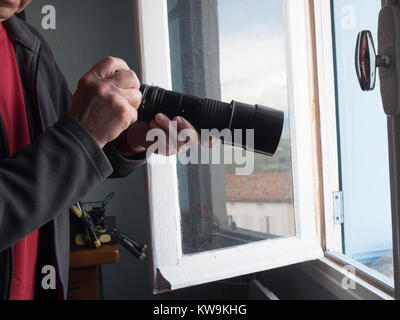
[366, 61]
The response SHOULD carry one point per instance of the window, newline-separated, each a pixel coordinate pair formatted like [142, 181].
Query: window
[207, 223]
[202, 227]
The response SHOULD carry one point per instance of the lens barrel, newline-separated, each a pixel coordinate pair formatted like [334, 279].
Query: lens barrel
[211, 114]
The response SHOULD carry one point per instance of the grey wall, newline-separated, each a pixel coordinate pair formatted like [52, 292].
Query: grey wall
[88, 30]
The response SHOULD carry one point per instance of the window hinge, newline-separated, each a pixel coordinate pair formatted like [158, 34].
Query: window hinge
[338, 209]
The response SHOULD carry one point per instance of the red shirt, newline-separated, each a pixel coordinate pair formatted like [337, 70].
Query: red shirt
[15, 123]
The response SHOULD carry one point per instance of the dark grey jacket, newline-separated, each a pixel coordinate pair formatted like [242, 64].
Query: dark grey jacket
[40, 183]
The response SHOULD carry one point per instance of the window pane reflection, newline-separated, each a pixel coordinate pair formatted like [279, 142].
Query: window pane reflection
[233, 50]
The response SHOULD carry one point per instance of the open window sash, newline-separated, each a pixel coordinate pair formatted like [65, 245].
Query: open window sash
[171, 269]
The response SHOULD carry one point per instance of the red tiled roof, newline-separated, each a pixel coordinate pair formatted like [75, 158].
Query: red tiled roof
[263, 186]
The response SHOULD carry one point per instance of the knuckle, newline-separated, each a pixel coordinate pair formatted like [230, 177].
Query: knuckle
[121, 61]
[100, 88]
[131, 74]
[135, 77]
[137, 98]
[109, 59]
[114, 100]
[84, 82]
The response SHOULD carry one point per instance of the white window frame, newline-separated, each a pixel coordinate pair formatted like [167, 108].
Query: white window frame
[173, 270]
[328, 121]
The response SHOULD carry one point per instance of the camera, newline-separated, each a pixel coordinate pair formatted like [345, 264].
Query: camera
[202, 113]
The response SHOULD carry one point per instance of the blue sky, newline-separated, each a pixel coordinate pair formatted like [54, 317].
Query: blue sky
[250, 16]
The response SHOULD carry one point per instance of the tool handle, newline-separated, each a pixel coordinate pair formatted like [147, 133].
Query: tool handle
[94, 239]
[88, 223]
[78, 213]
[131, 247]
[108, 198]
[139, 247]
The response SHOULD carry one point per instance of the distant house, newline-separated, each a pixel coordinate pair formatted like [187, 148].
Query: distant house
[261, 202]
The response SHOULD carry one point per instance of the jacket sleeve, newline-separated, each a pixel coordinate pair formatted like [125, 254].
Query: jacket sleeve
[122, 166]
[46, 177]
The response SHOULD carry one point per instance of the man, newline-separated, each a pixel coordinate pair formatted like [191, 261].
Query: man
[54, 149]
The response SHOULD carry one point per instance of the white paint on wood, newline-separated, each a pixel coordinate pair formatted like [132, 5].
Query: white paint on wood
[301, 120]
[228, 263]
[162, 183]
[329, 136]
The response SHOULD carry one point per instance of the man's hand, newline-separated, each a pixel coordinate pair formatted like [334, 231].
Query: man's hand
[107, 99]
[137, 132]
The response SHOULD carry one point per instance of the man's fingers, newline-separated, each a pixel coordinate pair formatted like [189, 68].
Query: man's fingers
[137, 135]
[107, 67]
[210, 142]
[163, 123]
[193, 136]
[169, 146]
[183, 124]
[126, 79]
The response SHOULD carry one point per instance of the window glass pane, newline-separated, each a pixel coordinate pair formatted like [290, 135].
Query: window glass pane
[367, 231]
[233, 50]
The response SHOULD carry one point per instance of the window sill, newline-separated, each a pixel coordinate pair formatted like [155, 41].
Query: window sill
[331, 275]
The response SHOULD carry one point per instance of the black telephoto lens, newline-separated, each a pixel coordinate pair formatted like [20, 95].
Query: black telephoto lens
[211, 114]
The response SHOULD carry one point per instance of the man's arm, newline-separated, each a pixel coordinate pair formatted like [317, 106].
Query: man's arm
[62, 98]
[64, 163]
